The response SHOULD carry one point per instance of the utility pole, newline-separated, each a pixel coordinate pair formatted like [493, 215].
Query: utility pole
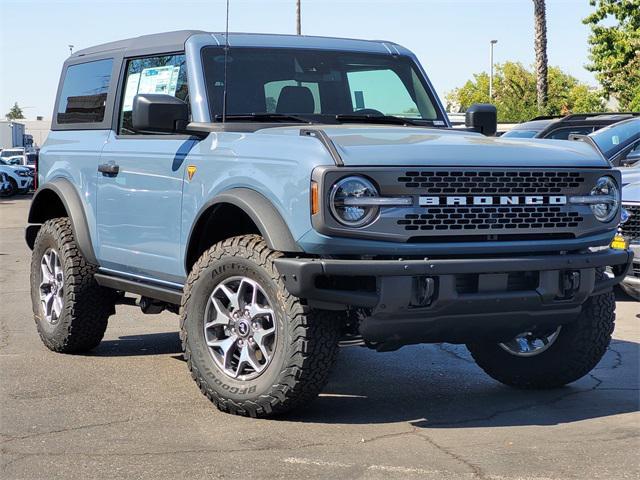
[298, 19]
[491, 45]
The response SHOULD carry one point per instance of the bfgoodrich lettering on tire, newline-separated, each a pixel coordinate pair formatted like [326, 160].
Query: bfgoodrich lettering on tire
[252, 348]
[70, 309]
[555, 357]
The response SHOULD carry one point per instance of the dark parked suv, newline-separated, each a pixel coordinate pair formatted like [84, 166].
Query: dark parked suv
[560, 128]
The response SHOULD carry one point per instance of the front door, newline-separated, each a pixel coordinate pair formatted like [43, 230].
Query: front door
[139, 195]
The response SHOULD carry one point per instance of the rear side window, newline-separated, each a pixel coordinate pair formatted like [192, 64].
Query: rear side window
[83, 98]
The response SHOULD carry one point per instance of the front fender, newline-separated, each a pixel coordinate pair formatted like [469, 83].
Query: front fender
[264, 215]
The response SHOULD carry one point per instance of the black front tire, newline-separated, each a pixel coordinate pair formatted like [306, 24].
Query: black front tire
[305, 347]
[86, 306]
[579, 347]
[12, 190]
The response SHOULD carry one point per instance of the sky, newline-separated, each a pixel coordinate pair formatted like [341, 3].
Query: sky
[450, 37]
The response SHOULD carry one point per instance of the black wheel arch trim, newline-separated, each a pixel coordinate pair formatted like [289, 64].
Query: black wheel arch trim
[70, 199]
[260, 210]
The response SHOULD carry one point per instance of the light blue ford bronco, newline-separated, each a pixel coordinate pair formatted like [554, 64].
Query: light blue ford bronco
[287, 195]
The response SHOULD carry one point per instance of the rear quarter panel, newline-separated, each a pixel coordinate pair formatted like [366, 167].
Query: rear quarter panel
[74, 155]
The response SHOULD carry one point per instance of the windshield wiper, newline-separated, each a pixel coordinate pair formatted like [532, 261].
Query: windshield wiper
[368, 118]
[262, 117]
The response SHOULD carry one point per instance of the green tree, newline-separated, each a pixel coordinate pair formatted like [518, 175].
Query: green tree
[515, 93]
[615, 49]
[15, 113]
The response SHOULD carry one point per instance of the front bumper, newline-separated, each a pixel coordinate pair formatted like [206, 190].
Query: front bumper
[469, 295]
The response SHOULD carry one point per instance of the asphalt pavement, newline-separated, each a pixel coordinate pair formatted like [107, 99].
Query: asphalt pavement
[129, 409]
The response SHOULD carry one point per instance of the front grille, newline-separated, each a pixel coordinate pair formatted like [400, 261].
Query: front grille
[492, 182]
[631, 228]
[495, 218]
[636, 270]
[472, 204]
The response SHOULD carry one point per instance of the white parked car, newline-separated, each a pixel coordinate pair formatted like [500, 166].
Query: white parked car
[11, 152]
[20, 178]
[20, 161]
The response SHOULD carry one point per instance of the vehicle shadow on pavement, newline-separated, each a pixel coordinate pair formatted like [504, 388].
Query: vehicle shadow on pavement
[167, 343]
[439, 386]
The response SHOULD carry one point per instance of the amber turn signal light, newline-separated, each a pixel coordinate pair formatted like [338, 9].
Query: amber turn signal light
[315, 204]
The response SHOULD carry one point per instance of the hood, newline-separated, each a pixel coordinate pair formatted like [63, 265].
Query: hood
[373, 145]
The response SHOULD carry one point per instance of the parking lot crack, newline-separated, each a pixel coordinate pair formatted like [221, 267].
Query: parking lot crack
[12, 438]
[521, 408]
[475, 469]
[390, 435]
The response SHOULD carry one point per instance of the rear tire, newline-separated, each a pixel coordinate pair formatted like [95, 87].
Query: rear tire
[576, 350]
[303, 345]
[70, 309]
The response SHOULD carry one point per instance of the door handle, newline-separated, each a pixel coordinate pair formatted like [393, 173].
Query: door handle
[109, 169]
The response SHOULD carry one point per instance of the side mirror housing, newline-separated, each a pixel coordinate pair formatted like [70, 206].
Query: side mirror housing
[159, 113]
[632, 158]
[482, 118]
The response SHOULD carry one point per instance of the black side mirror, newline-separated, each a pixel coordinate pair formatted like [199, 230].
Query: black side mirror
[482, 118]
[159, 113]
[632, 158]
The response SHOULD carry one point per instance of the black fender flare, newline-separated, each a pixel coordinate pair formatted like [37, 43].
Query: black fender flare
[74, 208]
[264, 215]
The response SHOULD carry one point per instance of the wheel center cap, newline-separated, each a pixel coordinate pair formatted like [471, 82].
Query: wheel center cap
[243, 328]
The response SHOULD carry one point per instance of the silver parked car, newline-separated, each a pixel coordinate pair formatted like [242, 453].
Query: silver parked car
[631, 232]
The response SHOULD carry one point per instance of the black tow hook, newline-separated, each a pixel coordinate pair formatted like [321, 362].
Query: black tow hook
[424, 289]
[569, 284]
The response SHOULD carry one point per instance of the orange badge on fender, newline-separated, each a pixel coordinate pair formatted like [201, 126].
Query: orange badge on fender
[191, 171]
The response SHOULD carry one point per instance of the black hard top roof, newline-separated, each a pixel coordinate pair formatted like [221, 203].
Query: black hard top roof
[174, 42]
[168, 41]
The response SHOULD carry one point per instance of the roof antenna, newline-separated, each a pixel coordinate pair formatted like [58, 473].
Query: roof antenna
[226, 54]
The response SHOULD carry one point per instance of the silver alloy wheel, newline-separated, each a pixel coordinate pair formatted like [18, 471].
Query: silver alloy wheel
[240, 328]
[51, 286]
[528, 344]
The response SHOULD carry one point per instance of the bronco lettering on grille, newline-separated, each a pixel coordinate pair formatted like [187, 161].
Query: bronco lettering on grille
[494, 200]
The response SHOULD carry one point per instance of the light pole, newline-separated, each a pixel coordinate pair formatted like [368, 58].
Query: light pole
[491, 45]
[298, 19]
[70, 49]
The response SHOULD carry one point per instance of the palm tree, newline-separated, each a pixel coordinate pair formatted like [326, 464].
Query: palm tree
[540, 14]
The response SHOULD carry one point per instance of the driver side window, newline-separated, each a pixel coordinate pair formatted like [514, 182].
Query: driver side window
[160, 74]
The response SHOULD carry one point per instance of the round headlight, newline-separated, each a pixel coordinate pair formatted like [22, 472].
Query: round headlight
[349, 188]
[607, 188]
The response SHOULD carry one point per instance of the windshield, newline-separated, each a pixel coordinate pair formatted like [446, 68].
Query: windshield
[520, 134]
[10, 153]
[317, 84]
[612, 139]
